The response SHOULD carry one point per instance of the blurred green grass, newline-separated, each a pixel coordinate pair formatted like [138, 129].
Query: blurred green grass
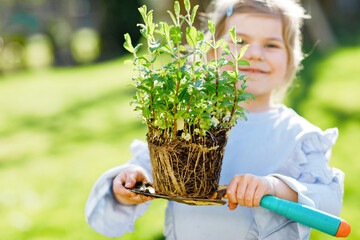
[60, 129]
[334, 101]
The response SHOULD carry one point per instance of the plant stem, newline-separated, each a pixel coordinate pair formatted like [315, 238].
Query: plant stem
[152, 86]
[193, 70]
[216, 74]
[177, 90]
[236, 90]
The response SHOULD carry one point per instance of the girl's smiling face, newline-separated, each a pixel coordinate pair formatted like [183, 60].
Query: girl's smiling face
[266, 53]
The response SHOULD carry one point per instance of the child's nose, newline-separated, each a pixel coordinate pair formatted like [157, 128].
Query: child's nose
[254, 52]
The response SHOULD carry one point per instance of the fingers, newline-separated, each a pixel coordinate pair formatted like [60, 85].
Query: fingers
[247, 190]
[232, 206]
[118, 187]
[129, 178]
[259, 193]
[249, 194]
[138, 198]
[236, 190]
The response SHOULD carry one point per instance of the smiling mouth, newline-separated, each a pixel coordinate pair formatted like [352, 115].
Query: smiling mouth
[253, 70]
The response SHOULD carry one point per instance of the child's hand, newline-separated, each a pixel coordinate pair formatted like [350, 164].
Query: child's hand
[247, 190]
[129, 177]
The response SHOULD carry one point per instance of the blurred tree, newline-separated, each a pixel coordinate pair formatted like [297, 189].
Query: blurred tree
[334, 21]
[344, 17]
[118, 18]
[318, 27]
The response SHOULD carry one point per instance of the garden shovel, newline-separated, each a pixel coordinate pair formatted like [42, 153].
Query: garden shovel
[300, 213]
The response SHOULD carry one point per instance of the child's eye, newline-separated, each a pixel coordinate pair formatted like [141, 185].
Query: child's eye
[271, 46]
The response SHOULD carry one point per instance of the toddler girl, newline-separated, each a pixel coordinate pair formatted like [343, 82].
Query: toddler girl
[276, 152]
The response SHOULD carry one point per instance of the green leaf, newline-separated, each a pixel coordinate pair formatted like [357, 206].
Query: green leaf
[182, 48]
[179, 75]
[243, 85]
[210, 88]
[150, 24]
[193, 14]
[232, 32]
[226, 49]
[145, 89]
[242, 51]
[137, 47]
[127, 44]
[211, 26]
[155, 45]
[167, 49]
[209, 44]
[205, 47]
[146, 61]
[165, 29]
[224, 89]
[225, 46]
[172, 17]
[150, 17]
[191, 36]
[187, 5]
[144, 69]
[143, 26]
[153, 82]
[146, 112]
[186, 115]
[223, 62]
[198, 83]
[243, 63]
[175, 33]
[144, 33]
[218, 43]
[177, 8]
[184, 95]
[200, 36]
[142, 11]
[229, 74]
[170, 83]
[179, 114]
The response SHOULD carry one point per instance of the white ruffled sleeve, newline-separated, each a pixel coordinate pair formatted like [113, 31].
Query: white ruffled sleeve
[308, 173]
[103, 213]
[315, 179]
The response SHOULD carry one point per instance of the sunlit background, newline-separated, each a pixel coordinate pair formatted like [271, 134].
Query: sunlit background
[65, 116]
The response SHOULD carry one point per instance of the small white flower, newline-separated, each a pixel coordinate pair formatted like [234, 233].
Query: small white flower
[186, 136]
[215, 120]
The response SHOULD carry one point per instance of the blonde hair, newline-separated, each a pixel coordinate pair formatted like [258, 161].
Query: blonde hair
[291, 14]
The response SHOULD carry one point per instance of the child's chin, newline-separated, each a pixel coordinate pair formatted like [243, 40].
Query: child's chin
[252, 78]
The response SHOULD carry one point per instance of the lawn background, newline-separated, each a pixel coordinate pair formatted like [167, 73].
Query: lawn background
[61, 128]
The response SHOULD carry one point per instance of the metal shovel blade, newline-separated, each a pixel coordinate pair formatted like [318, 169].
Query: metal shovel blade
[147, 189]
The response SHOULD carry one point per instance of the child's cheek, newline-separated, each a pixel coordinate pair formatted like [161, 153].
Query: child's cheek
[226, 68]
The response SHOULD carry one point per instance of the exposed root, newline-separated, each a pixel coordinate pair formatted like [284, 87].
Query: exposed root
[185, 169]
